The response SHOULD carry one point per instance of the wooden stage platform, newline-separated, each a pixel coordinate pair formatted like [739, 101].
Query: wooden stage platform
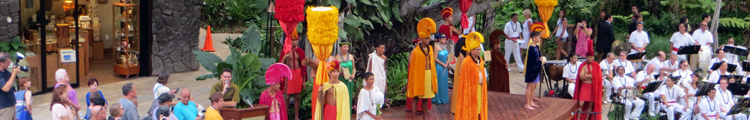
[502, 106]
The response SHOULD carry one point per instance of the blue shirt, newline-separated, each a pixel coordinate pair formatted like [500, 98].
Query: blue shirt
[7, 98]
[88, 102]
[185, 112]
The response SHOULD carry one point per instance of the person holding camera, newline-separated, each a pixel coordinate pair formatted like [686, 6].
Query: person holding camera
[583, 33]
[164, 113]
[7, 94]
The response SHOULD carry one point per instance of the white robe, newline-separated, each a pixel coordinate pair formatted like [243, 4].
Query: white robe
[377, 65]
[365, 103]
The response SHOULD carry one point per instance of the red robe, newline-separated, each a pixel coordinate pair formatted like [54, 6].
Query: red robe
[596, 74]
[267, 99]
[445, 29]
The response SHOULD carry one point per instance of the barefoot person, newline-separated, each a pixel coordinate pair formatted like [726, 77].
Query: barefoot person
[534, 67]
[474, 90]
[587, 89]
[333, 102]
[294, 59]
[422, 84]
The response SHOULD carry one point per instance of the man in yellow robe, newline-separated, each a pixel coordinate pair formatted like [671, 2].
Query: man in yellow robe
[473, 90]
[333, 102]
[422, 82]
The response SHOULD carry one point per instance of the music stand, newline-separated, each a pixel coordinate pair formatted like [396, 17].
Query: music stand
[636, 56]
[691, 49]
[736, 50]
[651, 87]
[730, 67]
[704, 89]
[745, 66]
[738, 89]
[739, 106]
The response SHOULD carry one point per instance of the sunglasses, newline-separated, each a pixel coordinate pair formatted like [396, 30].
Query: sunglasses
[704, 25]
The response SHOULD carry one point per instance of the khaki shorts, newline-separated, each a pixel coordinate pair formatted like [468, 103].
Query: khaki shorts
[8, 113]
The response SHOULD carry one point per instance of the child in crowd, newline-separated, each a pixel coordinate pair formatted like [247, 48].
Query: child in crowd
[23, 99]
[370, 99]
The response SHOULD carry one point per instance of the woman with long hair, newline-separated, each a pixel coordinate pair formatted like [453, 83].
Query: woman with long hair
[23, 99]
[60, 105]
[441, 67]
[583, 33]
[561, 32]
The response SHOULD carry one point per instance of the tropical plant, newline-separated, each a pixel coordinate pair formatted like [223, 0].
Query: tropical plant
[397, 66]
[247, 68]
[224, 14]
[12, 46]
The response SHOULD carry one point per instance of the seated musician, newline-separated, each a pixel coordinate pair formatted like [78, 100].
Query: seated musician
[719, 58]
[658, 62]
[708, 107]
[732, 58]
[684, 73]
[673, 62]
[722, 70]
[726, 100]
[607, 72]
[623, 61]
[627, 90]
[690, 90]
[669, 96]
[570, 73]
[645, 77]
[681, 39]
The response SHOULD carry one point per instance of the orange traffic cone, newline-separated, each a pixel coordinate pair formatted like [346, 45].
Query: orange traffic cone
[208, 46]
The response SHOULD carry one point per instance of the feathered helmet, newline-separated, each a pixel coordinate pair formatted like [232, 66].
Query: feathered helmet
[446, 12]
[294, 35]
[473, 40]
[333, 66]
[426, 27]
[275, 72]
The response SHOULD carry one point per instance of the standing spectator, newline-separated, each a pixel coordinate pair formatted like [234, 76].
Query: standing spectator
[217, 101]
[513, 30]
[526, 29]
[634, 9]
[160, 86]
[7, 98]
[63, 79]
[638, 39]
[583, 32]
[706, 18]
[90, 108]
[561, 32]
[116, 111]
[93, 87]
[186, 109]
[165, 100]
[684, 20]
[23, 99]
[163, 113]
[634, 24]
[97, 109]
[129, 102]
[606, 35]
[59, 105]
[229, 90]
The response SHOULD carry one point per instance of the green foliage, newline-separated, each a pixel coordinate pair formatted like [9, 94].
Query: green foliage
[228, 13]
[363, 16]
[658, 43]
[735, 22]
[397, 74]
[12, 47]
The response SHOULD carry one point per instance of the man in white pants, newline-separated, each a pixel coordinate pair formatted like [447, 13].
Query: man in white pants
[642, 79]
[626, 85]
[513, 30]
[608, 74]
[669, 97]
[704, 37]
[726, 101]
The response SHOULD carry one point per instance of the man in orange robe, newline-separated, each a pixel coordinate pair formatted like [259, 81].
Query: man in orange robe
[422, 83]
[473, 90]
[590, 82]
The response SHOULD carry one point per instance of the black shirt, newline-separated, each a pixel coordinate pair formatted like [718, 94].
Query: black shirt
[7, 99]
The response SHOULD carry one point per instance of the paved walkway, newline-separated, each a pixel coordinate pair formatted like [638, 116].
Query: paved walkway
[199, 89]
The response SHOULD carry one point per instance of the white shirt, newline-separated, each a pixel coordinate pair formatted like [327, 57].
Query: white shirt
[639, 38]
[671, 94]
[714, 77]
[623, 81]
[365, 103]
[685, 77]
[725, 99]
[709, 107]
[703, 38]
[470, 29]
[691, 100]
[571, 71]
[513, 29]
[641, 76]
[656, 62]
[627, 64]
[527, 29]
[678, 40]
[671, 65]
[607, 67]
[560, 29]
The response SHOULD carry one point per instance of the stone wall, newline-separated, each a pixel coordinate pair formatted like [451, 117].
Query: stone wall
[9, 8]
[176, 27]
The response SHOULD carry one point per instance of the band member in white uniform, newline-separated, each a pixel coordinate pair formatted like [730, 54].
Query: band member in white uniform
[684, 72]
[669, 96]
[726, 100]
[608, 74]
[622, 61]
[513, 30]
[658, 62]
[732, 58]
[720, 57]
[673, 63]
[680, 39]
[716, 75]
[645, 77]
[689, 86]
[709, 107]
[624, 86]
[704, 37]
[570, 73]
[638, 39]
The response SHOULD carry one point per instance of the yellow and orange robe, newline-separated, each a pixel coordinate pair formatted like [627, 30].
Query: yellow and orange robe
[341, 94]
[422, 83]
[473, 95]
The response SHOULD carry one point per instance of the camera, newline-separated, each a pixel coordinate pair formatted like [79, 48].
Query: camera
[20, 56]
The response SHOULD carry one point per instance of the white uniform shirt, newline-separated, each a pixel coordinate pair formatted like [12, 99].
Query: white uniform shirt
[717, 60]
[656, 62]
[714, 77]
[709, 107]
[685, 77]
[606, 67]
[627, 64]
[691, 100]
[621, 82]
[513, 29]
[639, 38]
[725, 98]
[571, 71]
[703, 38]
[678, 40]
[671, 94]
[671, 65]
[641, 76]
